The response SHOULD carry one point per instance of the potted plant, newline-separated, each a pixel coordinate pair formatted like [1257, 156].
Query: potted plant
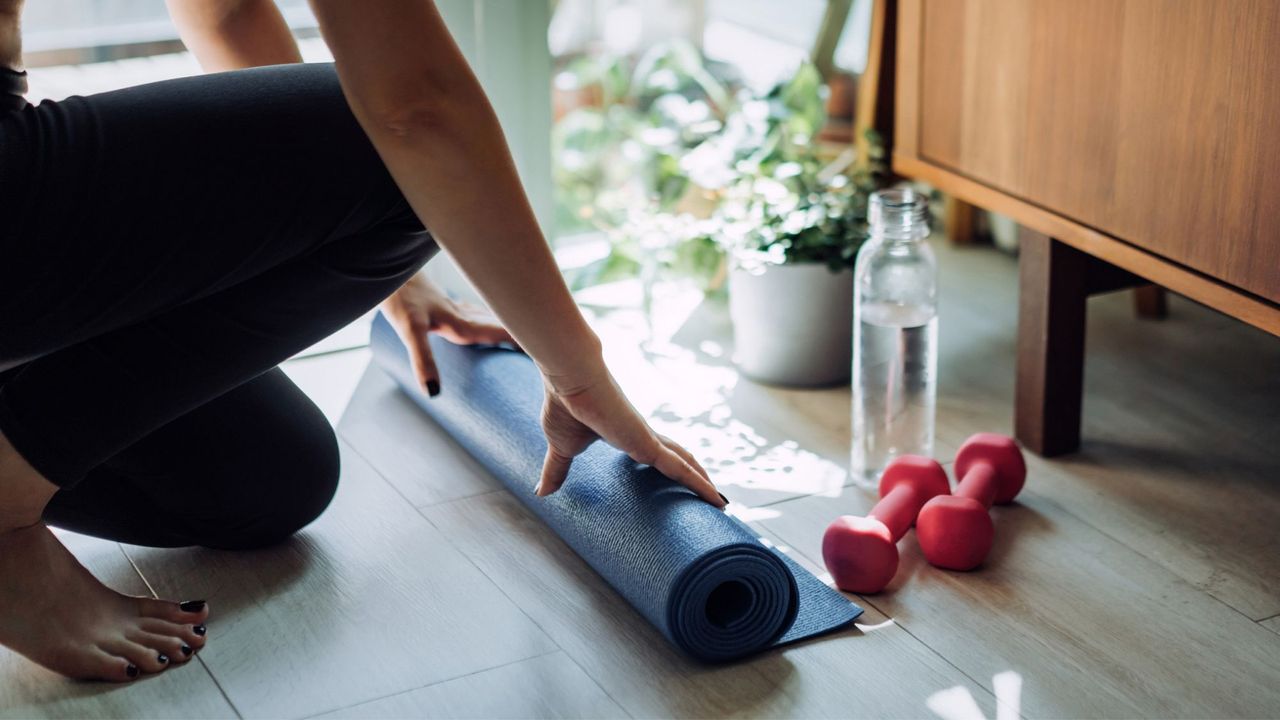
[792, 225]
[791, 290]
[687, 177]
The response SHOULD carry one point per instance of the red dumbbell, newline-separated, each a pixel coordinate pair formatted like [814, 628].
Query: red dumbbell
[955, 531]
[861, 553]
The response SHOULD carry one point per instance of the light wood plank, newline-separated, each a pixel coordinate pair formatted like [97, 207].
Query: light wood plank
[29, 691]
[367, 602]
[1092, 628]
[647, 677]
[1205, 507]
[407, 447]
[550, 686]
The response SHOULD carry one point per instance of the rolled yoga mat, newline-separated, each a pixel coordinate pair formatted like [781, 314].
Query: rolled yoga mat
[700, 576]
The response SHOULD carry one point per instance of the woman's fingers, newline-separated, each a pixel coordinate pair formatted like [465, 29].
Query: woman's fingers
[554, 471]
[670, 463]
[688, 456]
[424, 363]
[481, 330]
[572, 422]
[666, 460]
[693, 462]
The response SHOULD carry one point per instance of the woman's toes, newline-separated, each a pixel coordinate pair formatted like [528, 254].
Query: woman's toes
[191, 612]
[99, 664]
[146, 659]
[185, 633]
[165, 646]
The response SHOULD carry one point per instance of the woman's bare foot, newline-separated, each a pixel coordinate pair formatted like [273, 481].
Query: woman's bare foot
[57, 614]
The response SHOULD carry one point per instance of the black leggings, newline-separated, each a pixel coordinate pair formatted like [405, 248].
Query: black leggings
[162, 249]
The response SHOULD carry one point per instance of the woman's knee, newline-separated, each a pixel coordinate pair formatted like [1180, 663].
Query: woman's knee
[387, 251]
[290, 489]
[314, 472]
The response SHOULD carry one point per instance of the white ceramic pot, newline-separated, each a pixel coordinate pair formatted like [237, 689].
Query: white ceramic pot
[792, 324]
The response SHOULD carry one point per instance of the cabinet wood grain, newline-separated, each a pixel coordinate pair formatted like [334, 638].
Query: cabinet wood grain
[1151, 121]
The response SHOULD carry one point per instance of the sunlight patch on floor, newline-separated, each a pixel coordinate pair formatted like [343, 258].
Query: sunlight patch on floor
[694, 395]
[957, 703]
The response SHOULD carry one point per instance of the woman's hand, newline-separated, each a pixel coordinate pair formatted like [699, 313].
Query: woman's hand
[578, 416]
[419, 308]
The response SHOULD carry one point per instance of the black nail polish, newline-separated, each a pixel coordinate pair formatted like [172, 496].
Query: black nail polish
[722, 497]
[186, 650]
[198, 629]
[433, 387]
[131, 671]
[192, 606]
[162, 659]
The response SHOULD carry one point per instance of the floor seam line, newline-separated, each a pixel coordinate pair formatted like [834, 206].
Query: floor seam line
[485, 575]
[137, 570]
[433, 684]
[343, 439]
[595, 682]
[221, 690]
[325, 353]
[486, 493]
[519, 607]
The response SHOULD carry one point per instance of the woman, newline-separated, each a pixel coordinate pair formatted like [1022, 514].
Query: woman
[162, 248]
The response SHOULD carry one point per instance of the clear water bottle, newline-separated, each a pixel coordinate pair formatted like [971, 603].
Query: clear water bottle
[895, 335]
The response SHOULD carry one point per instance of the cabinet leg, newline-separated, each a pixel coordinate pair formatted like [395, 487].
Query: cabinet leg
[959, 218]
[1053, 287]
[1149, 302]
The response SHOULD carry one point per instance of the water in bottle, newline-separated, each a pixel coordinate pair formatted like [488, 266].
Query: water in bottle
[895, 335]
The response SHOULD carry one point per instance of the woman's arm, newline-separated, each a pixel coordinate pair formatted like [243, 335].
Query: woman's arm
[238, 34]
[426, 114]
[234, 34]
[11, 34]
[13, 81]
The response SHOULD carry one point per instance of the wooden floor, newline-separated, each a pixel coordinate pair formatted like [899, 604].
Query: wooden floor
[1137, 578]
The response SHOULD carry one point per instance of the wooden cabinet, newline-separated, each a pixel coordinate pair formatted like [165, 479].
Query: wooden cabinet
[1142, 135]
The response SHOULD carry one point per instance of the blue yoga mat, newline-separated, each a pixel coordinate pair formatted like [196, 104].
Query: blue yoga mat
[700, 576]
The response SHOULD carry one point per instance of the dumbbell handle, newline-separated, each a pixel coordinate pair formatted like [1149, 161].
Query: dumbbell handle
[898, 509]
[979, 483]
